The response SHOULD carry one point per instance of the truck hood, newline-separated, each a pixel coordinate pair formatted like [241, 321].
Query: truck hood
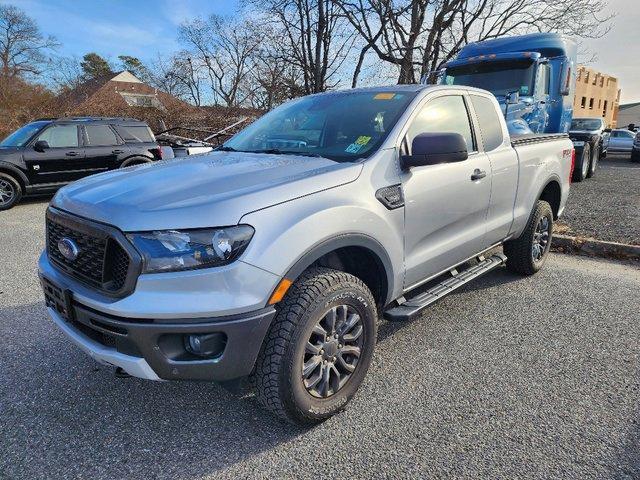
[210, 190]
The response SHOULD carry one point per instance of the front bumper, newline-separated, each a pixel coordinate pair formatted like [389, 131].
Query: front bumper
[151, 344]
[155, 350]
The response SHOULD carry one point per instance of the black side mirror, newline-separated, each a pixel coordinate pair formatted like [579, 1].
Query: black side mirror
[434, 148]
[40, 146]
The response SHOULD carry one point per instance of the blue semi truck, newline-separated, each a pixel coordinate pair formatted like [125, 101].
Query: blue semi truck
[533, 77]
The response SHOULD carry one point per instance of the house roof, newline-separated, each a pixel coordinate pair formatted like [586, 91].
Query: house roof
[628, 105]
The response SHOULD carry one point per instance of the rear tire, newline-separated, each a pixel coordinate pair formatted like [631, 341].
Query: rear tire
[583, 164]
[296, 342]
[10, 191]
[595, 158]
[528, 253]
[635, 156]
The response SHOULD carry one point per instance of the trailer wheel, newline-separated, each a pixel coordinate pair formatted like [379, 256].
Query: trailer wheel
[582, 165]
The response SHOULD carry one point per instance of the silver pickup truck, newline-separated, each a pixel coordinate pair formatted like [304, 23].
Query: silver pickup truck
[274, 257]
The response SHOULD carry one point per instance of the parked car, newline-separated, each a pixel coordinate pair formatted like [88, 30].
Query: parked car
[635, 151]
[274, 256]
[589, 137]
[44, 155]
[620, 141]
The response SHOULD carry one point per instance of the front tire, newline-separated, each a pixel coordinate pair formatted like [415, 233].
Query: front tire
[582, 165]
[319, 347]
[528, 253]
[10, 191]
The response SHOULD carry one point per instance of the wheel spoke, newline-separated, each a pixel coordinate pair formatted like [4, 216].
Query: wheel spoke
[326, 378]
[351, 350]
[344, 364]
[313, 381]
[331, 317]
[312, 349]
[311, 365]
[318, 330]
[354, 335]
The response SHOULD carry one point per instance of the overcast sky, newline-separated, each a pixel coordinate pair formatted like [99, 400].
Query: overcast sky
[144, 28]
[619, 51]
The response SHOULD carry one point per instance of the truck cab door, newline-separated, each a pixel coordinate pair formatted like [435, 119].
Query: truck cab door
[446, 204]
[104, 150]
[62, 158]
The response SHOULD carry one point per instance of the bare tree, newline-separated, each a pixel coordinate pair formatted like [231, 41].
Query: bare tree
[418, 36]
[224, 49]
[22, 45]
[314, 38]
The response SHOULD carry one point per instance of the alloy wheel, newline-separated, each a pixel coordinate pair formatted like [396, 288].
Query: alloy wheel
[7, 192]
[541, 239]
[332, 351]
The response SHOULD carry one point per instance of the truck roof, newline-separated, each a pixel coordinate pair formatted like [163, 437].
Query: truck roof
[548, 44]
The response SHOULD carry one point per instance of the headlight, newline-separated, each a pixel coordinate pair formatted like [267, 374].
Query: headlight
[170, 250]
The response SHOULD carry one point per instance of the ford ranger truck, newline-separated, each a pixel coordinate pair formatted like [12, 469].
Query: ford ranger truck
[275, 256]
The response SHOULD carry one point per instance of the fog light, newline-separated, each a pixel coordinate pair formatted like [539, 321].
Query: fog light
[205, 345]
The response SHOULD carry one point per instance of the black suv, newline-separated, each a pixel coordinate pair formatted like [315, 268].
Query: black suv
[45, 155]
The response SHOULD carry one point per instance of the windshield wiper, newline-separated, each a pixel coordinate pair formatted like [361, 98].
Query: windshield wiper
[224, 148]
[277, 151]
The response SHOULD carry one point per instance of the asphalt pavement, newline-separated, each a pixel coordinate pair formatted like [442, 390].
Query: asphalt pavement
[607, 206]
[510, 377]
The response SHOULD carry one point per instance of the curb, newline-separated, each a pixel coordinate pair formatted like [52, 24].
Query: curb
[595, 248]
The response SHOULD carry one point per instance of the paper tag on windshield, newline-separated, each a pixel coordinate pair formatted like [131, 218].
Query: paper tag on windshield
[384, 96]
[356, 146]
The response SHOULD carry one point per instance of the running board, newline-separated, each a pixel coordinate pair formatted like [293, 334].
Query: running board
[414, 305]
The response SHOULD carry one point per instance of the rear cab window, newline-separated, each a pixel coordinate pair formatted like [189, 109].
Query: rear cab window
[488, 121]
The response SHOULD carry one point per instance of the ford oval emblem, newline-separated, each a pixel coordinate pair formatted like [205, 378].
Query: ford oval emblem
[68, 248]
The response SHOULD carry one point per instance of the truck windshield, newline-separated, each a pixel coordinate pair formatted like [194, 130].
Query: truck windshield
[500, 78]
[587, 124]
[21, 136]
[341, 126]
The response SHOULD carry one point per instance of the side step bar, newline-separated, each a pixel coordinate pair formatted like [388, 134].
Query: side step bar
[414, 305]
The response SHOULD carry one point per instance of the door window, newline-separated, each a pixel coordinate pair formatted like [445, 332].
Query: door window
[100, 135]
[490, 123]
[443, 114]
[60, 136]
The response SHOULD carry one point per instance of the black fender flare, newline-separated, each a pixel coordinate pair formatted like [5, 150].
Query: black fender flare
[22, 177]
[340, 241]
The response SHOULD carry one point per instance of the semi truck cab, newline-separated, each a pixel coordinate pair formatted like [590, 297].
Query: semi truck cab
[532, 76]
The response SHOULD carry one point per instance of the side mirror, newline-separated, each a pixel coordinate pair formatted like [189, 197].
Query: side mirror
[40, 146]
[434, 148]
[512, 98]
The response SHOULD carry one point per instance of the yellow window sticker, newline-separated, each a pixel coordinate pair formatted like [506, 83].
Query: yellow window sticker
[362, 140]
[384, 96]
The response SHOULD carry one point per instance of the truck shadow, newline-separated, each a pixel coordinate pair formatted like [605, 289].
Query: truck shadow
[124, 427]
[496, 278]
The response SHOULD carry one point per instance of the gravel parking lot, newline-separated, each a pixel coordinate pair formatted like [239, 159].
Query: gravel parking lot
[509, 378]
[607, 206]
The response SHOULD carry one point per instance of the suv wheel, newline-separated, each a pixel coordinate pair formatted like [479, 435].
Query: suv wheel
[319, 348]
[527, 253]
[582, 165]
[595, 158]
[10, 191]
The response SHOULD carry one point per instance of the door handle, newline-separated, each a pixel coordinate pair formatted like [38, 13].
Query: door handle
[71, 154]
[117, 151]
[478, 174]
